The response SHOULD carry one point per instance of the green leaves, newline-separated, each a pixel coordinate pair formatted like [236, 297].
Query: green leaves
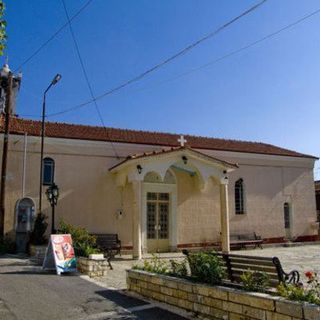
[154, 265]
[84, 244]
[3, 25]
[206, 267]
[255, 281]
[37, 236]
[7, 245]
[309, 293]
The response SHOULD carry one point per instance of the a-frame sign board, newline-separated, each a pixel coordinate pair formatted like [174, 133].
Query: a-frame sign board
[60, 254]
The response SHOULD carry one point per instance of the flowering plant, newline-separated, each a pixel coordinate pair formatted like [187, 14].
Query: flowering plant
[309, 293]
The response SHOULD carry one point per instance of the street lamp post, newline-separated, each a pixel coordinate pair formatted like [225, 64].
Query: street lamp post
[53, 195]
[53, 82]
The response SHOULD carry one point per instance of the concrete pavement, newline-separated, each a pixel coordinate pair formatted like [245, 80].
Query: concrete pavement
[27, 293]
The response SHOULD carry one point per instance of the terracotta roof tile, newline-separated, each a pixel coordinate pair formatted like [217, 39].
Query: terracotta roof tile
[73, 131]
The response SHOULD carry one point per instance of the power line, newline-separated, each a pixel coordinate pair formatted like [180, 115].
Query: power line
[166, 61]
[234, 52]
[210, 63]
[44, 44]
[86, 74]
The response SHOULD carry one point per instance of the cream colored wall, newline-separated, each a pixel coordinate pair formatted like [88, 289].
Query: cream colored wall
[90, 197]
[267, 189]
[269, 183]
[198, 211]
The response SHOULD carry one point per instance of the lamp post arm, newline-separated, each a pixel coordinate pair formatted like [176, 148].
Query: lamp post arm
[50, 85]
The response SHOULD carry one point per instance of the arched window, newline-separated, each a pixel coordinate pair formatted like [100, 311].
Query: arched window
[239, 197]
[286, 212]
[48, 171]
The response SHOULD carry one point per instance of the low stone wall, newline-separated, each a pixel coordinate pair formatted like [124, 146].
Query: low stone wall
[92, 267]
[218, 302]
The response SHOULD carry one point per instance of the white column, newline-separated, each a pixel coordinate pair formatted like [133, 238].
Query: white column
[224, 208]
[136, 234]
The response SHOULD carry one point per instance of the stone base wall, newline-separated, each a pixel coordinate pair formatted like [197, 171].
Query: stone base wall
[218, 302]
[92, 267]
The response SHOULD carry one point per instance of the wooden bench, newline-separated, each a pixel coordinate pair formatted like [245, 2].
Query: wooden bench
[247, 239]
[235, 265]
[109, 244]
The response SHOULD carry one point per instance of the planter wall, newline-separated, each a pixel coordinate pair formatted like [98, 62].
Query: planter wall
[217, 302]
[92, 267]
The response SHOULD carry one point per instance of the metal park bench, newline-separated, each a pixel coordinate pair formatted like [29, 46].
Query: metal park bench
[109, 244]
[247, 239]
[235, 265]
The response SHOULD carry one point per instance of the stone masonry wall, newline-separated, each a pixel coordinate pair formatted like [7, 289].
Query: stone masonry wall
[217, 302]
[92, 267]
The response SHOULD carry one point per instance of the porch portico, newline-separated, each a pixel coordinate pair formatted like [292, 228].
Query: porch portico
[152, 177]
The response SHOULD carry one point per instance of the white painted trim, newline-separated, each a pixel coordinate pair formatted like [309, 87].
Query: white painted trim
[160, 187]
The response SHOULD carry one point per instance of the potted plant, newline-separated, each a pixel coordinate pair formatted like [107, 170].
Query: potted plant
[89, 259]
[38, 241]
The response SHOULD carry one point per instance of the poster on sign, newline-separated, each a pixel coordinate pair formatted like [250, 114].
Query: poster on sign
[60, 254]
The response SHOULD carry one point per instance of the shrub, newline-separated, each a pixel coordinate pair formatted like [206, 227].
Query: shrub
[179, 269]
[7, 245]
[206, 267]
[255, 281]
[83, 243]
[37, 236]
[309, 293]
[154, 265]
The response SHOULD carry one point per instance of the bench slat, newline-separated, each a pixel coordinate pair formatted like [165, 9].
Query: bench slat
[255, 268]
[240, 256]
[237, 272]
[253, 263]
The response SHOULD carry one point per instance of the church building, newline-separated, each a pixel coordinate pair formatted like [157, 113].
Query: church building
[159, 192]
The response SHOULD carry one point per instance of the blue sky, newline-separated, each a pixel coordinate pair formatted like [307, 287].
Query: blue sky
[268, 93]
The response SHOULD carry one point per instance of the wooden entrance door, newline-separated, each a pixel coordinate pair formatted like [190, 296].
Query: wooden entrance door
[158, 211]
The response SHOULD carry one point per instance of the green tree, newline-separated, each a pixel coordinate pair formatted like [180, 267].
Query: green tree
[3, 24]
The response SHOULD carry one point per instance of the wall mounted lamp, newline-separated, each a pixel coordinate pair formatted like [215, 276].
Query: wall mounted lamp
[184, 159]
[139, 168]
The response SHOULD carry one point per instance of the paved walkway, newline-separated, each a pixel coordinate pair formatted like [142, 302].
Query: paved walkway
[302, 258]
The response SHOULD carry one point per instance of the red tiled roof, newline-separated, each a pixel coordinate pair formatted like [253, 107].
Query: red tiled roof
[171, 150]
[83, 132]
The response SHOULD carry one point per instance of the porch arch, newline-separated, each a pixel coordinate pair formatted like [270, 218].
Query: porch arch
[135, 168]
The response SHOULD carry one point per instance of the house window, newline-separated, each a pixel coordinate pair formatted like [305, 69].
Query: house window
[239, 197]
[48, 171]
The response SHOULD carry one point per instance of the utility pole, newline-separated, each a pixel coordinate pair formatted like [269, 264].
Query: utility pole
[5, 151]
